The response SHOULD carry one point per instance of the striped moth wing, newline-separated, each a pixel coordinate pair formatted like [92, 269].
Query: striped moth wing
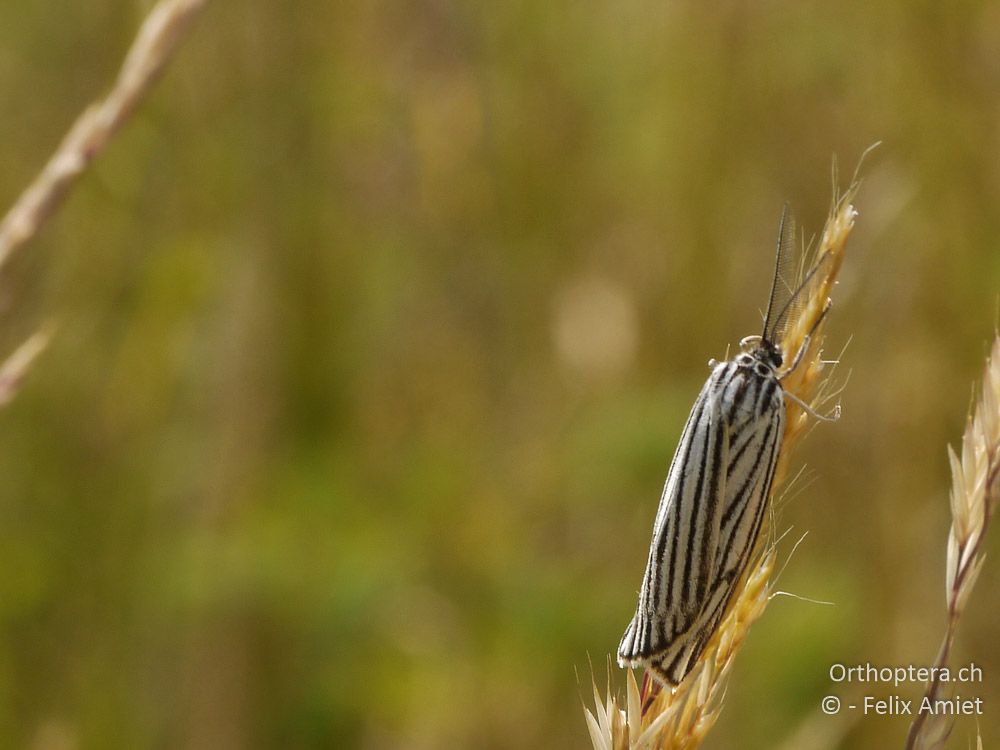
[710, 514]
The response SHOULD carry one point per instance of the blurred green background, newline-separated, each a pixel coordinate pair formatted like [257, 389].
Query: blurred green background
[377, 329]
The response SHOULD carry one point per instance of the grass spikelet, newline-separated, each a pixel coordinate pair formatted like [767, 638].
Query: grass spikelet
[975, 491]
[658, 718]
[808, 382]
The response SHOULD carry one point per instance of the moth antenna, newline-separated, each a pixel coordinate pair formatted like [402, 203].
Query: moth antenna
[782, 316]
[784, 225]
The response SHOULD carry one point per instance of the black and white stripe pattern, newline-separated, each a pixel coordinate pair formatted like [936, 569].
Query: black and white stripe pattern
[713, 504]
[709, 517]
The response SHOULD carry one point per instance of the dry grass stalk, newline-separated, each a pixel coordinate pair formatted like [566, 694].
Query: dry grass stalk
[657, 718]
[154, 46]
[975, 492]
[158, 38]
[16, 366]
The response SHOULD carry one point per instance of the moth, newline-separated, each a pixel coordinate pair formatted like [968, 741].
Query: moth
[717, 489]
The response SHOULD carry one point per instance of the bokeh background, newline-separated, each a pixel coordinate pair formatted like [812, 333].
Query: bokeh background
[377, 329]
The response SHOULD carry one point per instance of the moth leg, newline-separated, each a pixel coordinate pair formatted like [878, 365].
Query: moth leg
[812, 412]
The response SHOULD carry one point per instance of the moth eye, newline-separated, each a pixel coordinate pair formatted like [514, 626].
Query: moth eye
[761, 369]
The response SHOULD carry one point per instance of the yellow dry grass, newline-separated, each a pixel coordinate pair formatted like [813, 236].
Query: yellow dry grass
[975, 492]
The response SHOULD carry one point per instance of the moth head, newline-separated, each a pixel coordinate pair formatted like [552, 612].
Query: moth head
[758, 350]
[768, 353]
